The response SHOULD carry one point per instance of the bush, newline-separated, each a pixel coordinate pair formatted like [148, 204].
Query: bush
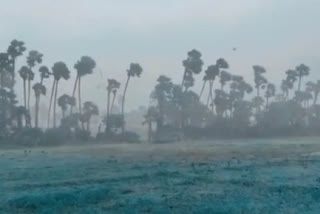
[57, 136]
[29, 137]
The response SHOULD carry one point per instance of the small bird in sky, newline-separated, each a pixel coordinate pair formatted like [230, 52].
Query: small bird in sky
[234, 49]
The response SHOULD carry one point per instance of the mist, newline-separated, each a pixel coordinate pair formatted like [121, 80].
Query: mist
[159, 106]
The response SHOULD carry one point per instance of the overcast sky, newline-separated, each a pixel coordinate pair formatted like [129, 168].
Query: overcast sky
[277, 34]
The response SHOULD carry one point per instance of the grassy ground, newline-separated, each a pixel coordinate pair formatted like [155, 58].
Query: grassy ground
[239, 176]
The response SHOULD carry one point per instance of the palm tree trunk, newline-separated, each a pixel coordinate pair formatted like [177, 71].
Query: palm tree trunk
[183, 78]
[50, 105]
[123, 101]
[36, 112]
[29, 90]
[25, 93]
[210, 96]
[74, 91]
[299, 86]
[202, 89]
[13, 74]
[79, 100]
[55, 105]
[108, 104]
[112, 104]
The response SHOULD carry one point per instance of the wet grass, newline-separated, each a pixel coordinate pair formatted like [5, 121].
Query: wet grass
[162, 179]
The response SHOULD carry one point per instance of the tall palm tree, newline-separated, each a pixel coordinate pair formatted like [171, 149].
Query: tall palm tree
[33, 59]
[84, 66]
[270, 92]
[259, 80]
[59, 71]
[15, 49]
[64, 101]
[302, 70]
[89, 109]
[192, 65]
[114, 94]
[211, 73]
[113, 86]
[44, 74]
[205, 79]
[135, 70]
[161, 94]
[24, 72]
[150, 117]
[39, 89]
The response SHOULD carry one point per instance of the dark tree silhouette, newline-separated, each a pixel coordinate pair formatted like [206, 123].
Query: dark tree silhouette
[64, 101]
[59, 71]
[192, 65]
[83, 67]
[135, 70]
[39, 89]
[302, 71]
[89, 109]
[33, 59]
[15, 49]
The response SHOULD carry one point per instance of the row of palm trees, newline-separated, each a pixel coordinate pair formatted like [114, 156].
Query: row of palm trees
[174, 106]
[59, 71]
[177, 106]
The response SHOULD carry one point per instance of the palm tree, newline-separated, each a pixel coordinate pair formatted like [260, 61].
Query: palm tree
[39, 89]
[224, 78]
[259, 80]
[33, 59]
[192, 65]
[302, 70]
[44, 73]
[4, 68]
[19, 113]
[314, 87]
[150, 117]
[84, 66]
[59, 70]
[205, 79]
[161, 94]
[270, 92]
[113, 86]
[24, 72]
[15, 49]
[114, 94]
[135, 70]
[89, 109]
[211, 73]
[64, 101]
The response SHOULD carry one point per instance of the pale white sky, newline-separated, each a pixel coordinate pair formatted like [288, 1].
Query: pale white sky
[276, 34]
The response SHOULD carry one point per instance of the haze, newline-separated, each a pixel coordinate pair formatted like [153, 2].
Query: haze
[158, 34]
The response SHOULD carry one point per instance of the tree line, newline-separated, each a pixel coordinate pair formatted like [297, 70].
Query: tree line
[232, 106]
